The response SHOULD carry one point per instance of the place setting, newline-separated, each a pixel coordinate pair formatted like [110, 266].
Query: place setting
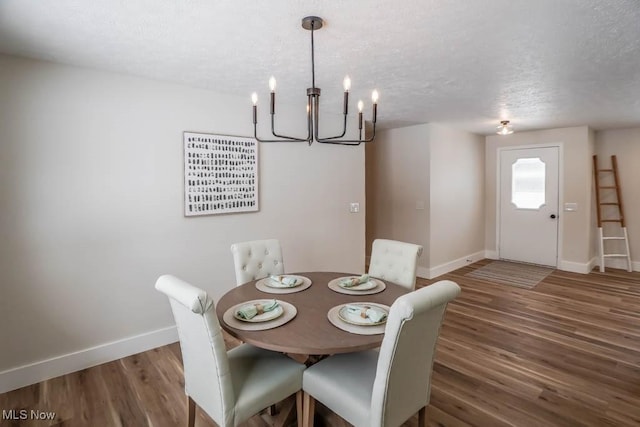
[283, 284]
[362, 318]
[260, 314]
[357, 285]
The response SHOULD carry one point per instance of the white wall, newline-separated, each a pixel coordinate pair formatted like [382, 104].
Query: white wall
[625, 145]
[440, 168]
[397, 178]
[576, 233]
[457, 196]
[91, 196]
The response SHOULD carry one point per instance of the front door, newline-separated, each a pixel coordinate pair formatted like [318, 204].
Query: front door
[528, 226]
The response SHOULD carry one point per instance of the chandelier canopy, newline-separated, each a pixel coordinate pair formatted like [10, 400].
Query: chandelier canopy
[313, 23]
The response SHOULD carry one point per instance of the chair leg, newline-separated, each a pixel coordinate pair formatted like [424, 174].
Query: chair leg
[299, 408]
[191, 420]
[308, 405]
[422, 417]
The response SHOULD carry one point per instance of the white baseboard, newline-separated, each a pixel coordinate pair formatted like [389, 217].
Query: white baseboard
[575, 267]
[617, 263]
[32, 373]
[490, 254]
[422, 272]
[447, 267]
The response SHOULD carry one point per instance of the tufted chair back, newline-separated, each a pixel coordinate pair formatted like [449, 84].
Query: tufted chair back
[207, 377]
[403, 376]
[257, 259]
[387, 387]
[395, 261]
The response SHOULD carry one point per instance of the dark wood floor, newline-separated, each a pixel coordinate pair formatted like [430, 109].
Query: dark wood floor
[566, 353]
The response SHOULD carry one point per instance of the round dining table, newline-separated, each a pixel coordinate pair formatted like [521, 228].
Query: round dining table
[310, 332]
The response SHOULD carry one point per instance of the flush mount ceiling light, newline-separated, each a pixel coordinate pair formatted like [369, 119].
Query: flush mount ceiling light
[504, 128]
[313, 23]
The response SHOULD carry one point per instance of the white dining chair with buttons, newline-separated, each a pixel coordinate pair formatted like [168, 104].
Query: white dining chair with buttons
[257, 259]
[395, 261]
[385, 388]
[230, 386]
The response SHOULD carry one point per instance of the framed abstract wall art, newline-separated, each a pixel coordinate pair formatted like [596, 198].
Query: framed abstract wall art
[220, 174]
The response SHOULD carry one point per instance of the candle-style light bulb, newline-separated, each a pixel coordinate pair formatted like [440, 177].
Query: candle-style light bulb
[272, 98]
[374, 96]
[254, 99]
[360, 106]
[346, 83]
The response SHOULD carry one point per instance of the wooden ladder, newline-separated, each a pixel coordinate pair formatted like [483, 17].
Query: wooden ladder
[614, 209]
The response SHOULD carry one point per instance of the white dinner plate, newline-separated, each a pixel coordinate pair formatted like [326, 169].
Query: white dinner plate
[361, 287]
[356, 319]
[334, 285]
[264, 317]
[278, 285]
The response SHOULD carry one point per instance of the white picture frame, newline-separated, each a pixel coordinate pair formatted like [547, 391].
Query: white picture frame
[220, 174]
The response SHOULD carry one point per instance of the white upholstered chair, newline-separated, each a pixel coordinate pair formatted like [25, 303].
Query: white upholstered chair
[257, 259]
[371, 389]
[229, 386]
[395, 261]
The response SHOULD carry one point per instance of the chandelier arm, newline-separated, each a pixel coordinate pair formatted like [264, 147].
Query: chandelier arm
[309, 120]
[288, 139]
[292, 138]
[255, 128]
[340, 142]
[344, 132]
[316, 116]
[348, 141]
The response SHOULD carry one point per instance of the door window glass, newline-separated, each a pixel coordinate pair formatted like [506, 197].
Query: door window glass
[528, 183]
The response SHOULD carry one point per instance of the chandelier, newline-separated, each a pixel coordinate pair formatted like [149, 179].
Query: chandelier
[313, 23]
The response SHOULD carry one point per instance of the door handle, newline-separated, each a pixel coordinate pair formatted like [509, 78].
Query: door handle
[552, 216]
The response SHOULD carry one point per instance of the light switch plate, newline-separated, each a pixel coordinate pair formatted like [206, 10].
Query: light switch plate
[420, 205]
[570, 207]
[354, 207]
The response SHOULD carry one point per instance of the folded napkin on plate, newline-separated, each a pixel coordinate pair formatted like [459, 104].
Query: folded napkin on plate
[285, 281]
[249, 311]
[354, 281]
[375, 314]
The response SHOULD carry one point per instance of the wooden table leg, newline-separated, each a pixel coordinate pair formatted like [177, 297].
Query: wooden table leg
[308, 406]
[299, 407]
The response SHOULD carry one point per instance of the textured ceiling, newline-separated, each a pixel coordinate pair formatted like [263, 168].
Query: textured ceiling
[541, 64]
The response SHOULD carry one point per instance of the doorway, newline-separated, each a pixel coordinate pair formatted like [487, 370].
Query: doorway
[528, 198]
